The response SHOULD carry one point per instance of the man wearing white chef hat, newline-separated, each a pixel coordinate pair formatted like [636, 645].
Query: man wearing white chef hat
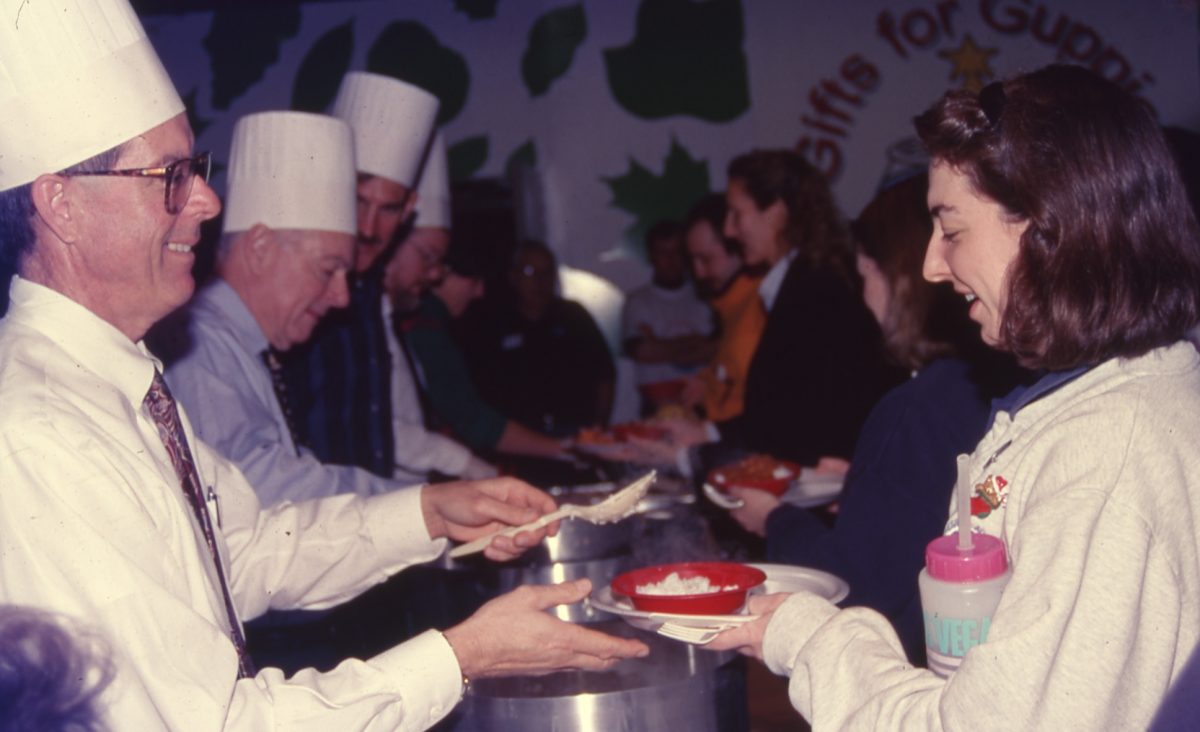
[113, 512]
[287, 246]
[340, 382]
[407, 274]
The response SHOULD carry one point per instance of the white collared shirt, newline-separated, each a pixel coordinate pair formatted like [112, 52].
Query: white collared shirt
[418, 451]
[93, 524]
[226, 389]
[768, 289]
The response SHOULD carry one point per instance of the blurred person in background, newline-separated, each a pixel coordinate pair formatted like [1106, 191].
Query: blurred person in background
[722, 278]
[455, 404]
[820, 365]
[666, 329]
[51, 673]
[539, 357]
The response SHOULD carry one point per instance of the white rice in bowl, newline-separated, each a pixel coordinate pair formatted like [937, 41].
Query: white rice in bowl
[673, 584]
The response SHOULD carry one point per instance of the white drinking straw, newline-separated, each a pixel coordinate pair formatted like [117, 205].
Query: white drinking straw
[964, 504]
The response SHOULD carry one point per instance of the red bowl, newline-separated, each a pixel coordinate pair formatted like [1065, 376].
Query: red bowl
[727, 476]
[740, 578]
[663, 392]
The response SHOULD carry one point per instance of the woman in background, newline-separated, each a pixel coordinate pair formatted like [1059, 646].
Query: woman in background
[902, 473]
[820, 365]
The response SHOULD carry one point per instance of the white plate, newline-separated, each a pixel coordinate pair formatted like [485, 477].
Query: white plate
[789, 578]
[620, 452]
[603, 599]
[813, 489]
[780, 578]
[809, 490]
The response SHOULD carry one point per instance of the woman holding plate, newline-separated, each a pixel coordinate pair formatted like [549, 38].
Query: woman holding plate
[900, 479]
[1060, 216]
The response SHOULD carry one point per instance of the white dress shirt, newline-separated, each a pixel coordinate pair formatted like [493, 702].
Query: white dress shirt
[768, 289]
[94, 524]
[418, 451]
[227, 391]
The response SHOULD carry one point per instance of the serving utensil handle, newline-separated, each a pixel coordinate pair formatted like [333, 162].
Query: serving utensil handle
[478, 545]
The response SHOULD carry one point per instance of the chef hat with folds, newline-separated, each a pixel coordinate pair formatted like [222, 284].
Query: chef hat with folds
[392, 123]
[77, 78]
[291, 170]
[433, 191]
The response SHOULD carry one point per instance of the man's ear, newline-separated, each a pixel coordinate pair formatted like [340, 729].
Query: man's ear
[260, 248]
[56, 206]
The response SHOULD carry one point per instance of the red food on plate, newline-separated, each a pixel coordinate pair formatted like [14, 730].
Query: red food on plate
[666, 588]
[757, 471]
[620, 433]
[589, 436]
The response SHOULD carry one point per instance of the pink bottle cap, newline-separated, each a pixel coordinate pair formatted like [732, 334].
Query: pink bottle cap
[984, 560]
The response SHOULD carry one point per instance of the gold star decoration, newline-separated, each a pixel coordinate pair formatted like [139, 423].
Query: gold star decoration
[970, 63]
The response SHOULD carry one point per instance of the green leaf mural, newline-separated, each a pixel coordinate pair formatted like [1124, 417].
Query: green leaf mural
[242, 44]
[408, 51]
[322, 69]
[651, 197]
[476, 9]
[686, 58]
[524, 156]
[466, 157]
[552, 43]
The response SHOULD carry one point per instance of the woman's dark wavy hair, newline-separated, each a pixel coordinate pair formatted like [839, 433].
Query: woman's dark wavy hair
[51, 675]
[1109, 264]
[815, 227]
[924, 321]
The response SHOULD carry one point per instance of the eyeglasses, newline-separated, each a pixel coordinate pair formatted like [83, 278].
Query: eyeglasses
[179, 177]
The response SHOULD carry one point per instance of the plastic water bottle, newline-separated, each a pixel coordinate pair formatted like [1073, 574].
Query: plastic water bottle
[961, 585]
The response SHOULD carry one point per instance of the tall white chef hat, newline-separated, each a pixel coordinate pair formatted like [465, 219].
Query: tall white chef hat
[291, 170]
[433, 191]
[77, 77]
[392, 122]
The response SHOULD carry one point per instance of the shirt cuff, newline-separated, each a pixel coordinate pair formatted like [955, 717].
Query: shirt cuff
[426, 672]
[397, 527]
[711, 432]
[793, 625]
[683, 462]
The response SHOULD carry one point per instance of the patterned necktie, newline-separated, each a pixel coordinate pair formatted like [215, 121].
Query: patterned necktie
[161, 406]
[270, 357]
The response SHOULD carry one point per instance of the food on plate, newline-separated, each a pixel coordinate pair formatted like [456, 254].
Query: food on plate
[673, 584]
[620, 433]
[674, 411]
[756, 471]
[724, 587]
[593, 436]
